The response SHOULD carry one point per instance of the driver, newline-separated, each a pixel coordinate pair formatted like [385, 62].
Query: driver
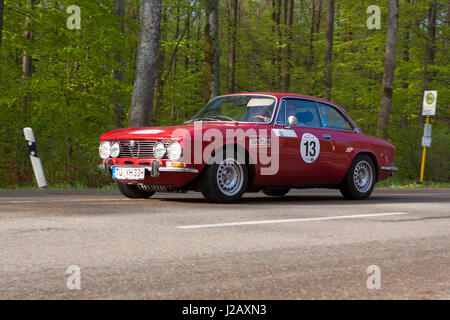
[259, 114]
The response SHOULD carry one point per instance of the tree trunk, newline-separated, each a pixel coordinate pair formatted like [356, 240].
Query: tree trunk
[187, 27]
[329, 49]
[117, 100]
[255, 51]
[232, 44]
[318, 17]
[1, 22]
[144, 81]
[212, 68]
[389, 68]
[173, 65]
[26, 59]
[289, 12]
[406, 58]
[159, 81]
[177, 34]
[273, 57]
[349, 35]
[432, 30]
[278, 42]
[430, 45]
[197, 38]
[310, 60]
[27, 67]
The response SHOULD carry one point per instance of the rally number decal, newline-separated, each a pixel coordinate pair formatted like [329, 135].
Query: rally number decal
[309, 147]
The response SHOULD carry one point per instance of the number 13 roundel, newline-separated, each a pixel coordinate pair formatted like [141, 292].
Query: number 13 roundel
[309, 147]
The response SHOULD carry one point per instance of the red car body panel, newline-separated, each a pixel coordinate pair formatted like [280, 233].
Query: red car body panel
[330, 168]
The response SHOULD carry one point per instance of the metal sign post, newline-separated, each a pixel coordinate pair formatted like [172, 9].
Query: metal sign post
[429, 109]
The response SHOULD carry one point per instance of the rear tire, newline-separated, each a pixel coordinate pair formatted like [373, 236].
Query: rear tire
[360, 179]
[276, 192]
[132, 191]
[224, 182]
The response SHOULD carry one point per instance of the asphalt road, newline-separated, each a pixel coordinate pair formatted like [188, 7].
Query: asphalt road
[311, 244]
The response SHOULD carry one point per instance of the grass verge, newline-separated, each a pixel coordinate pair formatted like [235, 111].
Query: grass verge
[59, 187]
[407, 184]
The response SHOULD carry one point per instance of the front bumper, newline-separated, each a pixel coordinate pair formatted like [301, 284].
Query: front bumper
[170, 169]
[389, 168]
[388, 171]
[155, 169]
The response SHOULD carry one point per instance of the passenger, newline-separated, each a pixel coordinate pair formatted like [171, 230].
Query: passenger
[291, 110]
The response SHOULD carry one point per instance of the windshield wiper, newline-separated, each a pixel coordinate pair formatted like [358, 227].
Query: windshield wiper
[225, 117]
[211, 118]
[201, 119]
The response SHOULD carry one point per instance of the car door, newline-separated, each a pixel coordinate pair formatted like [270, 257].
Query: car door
[306, 149]
[343, 135]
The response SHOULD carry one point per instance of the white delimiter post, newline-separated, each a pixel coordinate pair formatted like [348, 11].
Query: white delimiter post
[34, 156]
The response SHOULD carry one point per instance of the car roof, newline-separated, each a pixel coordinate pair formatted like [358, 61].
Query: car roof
[280, 95]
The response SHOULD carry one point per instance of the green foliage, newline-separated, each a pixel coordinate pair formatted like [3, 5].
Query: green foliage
[67, 101]
[70, 89]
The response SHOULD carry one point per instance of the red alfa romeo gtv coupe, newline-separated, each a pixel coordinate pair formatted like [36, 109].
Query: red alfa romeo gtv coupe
[249, 142]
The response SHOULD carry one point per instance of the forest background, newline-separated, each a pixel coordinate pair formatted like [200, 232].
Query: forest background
[71, 85]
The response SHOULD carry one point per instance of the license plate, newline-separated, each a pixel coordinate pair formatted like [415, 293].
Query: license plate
[128, 173]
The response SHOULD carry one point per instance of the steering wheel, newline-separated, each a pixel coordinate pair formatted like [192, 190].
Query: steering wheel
[265, 119]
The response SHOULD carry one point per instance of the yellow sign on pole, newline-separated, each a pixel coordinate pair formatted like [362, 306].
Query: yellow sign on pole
[429, 103]
[428, 109]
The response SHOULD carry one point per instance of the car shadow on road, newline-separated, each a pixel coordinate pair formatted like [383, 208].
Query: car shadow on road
[321, 200]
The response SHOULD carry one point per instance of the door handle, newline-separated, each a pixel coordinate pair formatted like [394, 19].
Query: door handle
[326, 136]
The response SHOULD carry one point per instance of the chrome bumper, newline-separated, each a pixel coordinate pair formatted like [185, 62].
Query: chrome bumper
[175, 169]
[154, 170]
[389, 168]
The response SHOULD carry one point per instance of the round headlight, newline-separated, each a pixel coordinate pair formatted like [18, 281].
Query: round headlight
[104, 149]
[159, 150]
[115, 149]
[174, 151]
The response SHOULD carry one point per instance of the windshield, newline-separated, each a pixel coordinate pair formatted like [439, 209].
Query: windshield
[247, 108]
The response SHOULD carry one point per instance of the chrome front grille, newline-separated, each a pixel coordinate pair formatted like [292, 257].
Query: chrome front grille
[137, 148]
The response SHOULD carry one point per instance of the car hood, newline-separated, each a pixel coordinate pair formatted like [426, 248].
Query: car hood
[161, 133]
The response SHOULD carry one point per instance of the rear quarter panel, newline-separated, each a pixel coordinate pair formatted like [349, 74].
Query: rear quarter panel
[349, 144]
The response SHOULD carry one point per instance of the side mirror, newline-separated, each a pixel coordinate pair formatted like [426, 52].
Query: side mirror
[292, 121]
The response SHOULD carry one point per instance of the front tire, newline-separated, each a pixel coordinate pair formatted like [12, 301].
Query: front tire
[225, 182]
[132, 191]
[360, 179]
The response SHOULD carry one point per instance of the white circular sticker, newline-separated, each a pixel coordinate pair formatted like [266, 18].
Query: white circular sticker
[309, 147]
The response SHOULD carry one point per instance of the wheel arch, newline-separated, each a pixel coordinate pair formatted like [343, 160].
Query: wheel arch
[239, 148]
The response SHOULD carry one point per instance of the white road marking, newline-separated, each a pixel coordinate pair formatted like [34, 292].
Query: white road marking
[230, 224]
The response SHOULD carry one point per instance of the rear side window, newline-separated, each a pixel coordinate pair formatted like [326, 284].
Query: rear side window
[332, 118]
[305, 111]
